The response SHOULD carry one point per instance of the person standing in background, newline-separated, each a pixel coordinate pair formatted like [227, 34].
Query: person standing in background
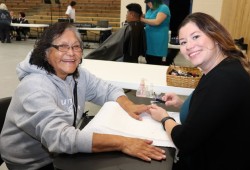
[71, 11]
[157, 20]
[5, 21]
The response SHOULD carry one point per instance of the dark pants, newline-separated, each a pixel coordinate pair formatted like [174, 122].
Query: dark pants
[47, 167]
[5, 32]
[158, 60]
[154, 59]
[22, 30]
[172, 53]
[12, 31]
[130, 59]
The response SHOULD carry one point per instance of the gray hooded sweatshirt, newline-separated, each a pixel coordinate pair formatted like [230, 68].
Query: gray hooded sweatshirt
[40, 116]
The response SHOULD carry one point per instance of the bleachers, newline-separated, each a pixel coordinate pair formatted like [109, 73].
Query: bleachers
[87, 11]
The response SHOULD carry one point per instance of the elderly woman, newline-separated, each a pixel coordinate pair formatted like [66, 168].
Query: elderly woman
[50, 100]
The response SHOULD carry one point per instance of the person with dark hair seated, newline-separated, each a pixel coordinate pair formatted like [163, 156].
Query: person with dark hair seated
[22, 30]
[126, 44]
[13, 20]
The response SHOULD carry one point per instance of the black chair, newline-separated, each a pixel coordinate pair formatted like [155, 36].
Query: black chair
[4, 104]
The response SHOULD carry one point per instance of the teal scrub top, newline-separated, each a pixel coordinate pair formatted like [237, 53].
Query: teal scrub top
[157, 36]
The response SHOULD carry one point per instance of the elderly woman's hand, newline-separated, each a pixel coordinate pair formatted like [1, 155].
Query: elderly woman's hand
[133, 110]
[142, 149]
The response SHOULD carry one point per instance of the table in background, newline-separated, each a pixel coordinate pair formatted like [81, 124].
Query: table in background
[173, 46]
[95, 29]
[128, 75]
[114, 160]
[100, 29]
[39, 27]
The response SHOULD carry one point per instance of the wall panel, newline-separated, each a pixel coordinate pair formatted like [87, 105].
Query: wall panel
[235, 16]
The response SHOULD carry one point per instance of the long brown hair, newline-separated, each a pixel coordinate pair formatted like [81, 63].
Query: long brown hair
[219, 34]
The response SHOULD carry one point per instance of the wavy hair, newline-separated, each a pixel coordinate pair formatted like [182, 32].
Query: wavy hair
[219, 34]
[39, 54]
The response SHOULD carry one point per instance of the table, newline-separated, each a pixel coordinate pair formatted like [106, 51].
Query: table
[129, 75]
[173, 46]
[114, 160]
[111, 161]
[100, 29]
[94, 28]
[39, 30]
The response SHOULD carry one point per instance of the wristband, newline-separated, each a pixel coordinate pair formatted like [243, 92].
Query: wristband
[165, 119]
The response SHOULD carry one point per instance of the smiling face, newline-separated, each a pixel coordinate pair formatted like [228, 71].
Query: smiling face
[65, 63]
[198, 48]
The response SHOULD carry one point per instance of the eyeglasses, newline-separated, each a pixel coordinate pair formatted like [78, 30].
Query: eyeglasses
[66, 47]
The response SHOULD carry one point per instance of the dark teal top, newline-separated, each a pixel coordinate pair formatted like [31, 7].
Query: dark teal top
[185, 108]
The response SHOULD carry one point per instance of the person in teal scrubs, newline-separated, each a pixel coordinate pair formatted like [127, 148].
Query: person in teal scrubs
[157, 20]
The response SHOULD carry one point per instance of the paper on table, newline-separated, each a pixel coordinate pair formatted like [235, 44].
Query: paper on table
[112, 119]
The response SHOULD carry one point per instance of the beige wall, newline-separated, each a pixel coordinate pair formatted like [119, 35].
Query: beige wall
[235, 17]
[211, 7]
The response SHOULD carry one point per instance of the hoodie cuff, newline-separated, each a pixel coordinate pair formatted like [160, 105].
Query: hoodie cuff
[84, 141]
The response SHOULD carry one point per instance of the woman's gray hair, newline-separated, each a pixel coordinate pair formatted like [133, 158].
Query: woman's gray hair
[39, 54]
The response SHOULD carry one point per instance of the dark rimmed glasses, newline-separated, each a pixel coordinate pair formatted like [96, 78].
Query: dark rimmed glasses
[66, 47]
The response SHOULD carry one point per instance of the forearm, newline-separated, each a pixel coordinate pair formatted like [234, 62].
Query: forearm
[124, 102]
[152, 22]
[132, 146]
[157, 21]
[131, 108]
[106, 142]
[169, 125]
